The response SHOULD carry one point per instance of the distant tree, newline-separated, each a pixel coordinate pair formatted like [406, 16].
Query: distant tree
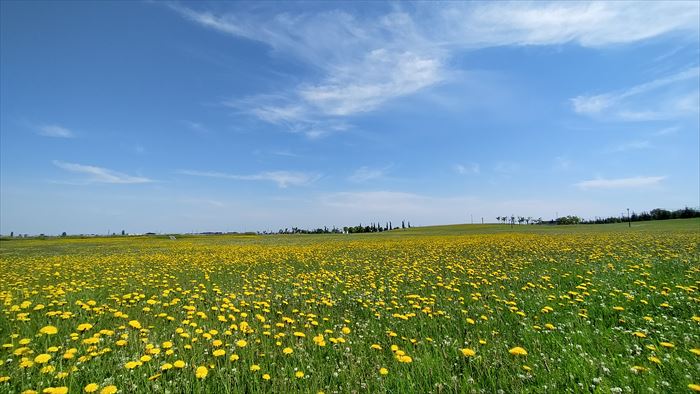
[660, 214]
[12, 234]
[63, 234]
[403, 225]
[498, 218]
[123, 233]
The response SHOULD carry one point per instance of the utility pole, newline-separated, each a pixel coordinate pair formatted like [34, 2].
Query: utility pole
[629, 219]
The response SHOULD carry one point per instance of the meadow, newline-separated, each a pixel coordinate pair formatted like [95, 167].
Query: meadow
[469, 308]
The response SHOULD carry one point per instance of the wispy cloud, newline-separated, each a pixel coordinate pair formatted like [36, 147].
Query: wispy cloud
[55, 131]
[465, 169]
[100, 174]
[665, 131]
[589, 24]
[667, 97]
[632, 145]
[363, 63]
[620, 183]
[283, 179]
[364, 174]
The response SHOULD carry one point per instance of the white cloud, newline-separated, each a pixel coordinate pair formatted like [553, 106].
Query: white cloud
[55, 131]
[381, 76]
[471, 168]
[663, 98]
[364, 63]
[590, 24]
[632, 145]
[620, 183]
[364, 174]
[283, 179]
[100, 174]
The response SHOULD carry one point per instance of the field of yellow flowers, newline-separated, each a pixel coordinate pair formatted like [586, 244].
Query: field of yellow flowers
[599, 311]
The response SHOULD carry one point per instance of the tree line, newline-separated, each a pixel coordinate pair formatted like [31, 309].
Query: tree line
[371, 228]
[654, 214]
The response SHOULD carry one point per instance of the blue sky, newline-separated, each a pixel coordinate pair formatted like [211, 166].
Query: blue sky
[218, 116]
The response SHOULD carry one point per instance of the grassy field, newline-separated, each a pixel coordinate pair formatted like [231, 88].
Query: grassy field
[463, 308]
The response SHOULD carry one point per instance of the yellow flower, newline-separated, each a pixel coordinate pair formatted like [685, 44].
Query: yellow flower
[48, 330]
[694, 387]
[299, 334]
[56, 390]
[217, 342]
[135, 324]
[84, 327]
[468, 352]
[91, 388]
[219, 352]
[254, 367]
[518, 351]
[120, 342]
[299, 374]
[132, 364]
[376, 347]
[166, 345]
[109, 390]
[233, 357]
[241, 343]
[667, 345]
[618, 308]
[654, 360]
[695, 351]
[42, 358]
[166, 367]
[383, 371]
[404, 359]
[266, 376]
[287, 350]
[179, 364]
[639, 334]
[201, 372]
[345, 330]
[145, 359]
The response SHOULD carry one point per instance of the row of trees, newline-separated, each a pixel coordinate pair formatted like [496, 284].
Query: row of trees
[654, 214]
[372, 228]
[520, 219]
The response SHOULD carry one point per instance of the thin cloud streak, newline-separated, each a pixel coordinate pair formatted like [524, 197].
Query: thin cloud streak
[632, 104]
[55, 131]
[364, 174]
[283, 179]
[100, 174]
[621, 183]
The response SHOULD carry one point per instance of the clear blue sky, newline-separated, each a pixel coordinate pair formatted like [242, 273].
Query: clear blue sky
[151, 116]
